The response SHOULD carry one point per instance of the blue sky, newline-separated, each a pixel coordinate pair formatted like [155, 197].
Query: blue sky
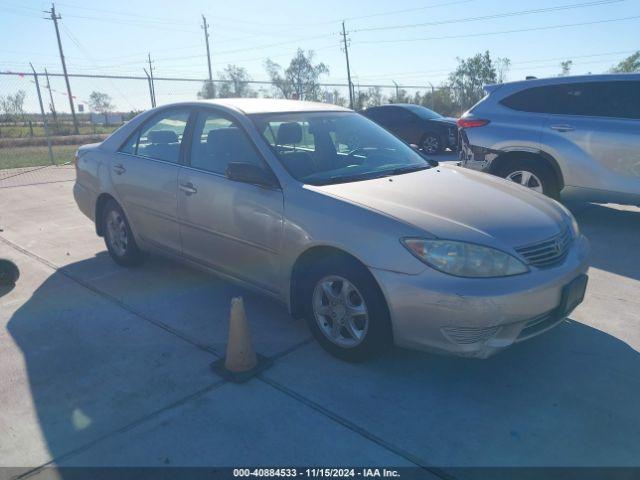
[427, 36]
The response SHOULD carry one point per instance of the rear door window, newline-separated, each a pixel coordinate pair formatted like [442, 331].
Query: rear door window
[161, 137]
[217, 141]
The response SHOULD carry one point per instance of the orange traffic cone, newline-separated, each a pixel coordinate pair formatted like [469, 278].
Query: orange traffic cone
[240, 354]
[241, 362]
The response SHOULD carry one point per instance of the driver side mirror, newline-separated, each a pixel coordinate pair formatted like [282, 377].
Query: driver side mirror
[250, 173]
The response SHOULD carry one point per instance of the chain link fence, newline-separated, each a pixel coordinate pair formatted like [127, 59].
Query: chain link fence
[33, 136]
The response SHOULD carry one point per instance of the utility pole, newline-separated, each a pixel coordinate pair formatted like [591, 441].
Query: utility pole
[53, 106]
[153, 85]
[153, 103]
[53, 16]
[205, 27]
[44, 115]
[397, 91]
[345, 42]
[433, 96]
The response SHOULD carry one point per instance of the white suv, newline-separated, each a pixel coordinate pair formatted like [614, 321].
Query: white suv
[575, 135]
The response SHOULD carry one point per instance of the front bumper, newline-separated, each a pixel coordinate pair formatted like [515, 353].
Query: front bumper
[477, 317]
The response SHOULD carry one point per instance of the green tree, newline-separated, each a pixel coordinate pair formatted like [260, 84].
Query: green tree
[235, 83]
[566, 67]
[629, 64]
[399, 96]
[472, 74]
[301, 79]
[439, 100]
[207, 91]
[100, 102]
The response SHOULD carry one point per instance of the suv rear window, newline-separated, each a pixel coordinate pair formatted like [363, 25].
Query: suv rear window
[618, 99]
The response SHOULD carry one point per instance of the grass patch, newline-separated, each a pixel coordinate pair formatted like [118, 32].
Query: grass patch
[35, 156]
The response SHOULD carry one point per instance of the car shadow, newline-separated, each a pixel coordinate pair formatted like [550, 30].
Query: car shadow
[567, 396]
[614, 234]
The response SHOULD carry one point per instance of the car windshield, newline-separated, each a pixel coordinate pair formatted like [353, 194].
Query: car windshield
[423, 112]
[321, 148]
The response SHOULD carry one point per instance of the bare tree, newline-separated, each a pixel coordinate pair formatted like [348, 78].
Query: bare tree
[12, 106]
[301, 79]
[100, 102]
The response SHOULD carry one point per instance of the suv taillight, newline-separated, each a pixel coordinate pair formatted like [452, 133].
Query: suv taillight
[471, 122]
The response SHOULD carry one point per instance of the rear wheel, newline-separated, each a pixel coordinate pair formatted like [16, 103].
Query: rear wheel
[532, 173]
[118, 236]
[345, 309]
[431, 143]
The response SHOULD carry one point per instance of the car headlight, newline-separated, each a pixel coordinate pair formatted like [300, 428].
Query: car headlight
[464, 259]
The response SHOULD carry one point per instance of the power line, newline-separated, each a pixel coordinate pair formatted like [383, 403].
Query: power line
[493, 16]
[88, 56]
[481, 34]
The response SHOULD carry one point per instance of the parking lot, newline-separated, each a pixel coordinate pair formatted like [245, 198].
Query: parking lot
[101, 365]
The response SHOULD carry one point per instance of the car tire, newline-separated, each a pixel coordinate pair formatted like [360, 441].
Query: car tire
[533, 173]
[360, 291]
[118, 236]
[431, 143]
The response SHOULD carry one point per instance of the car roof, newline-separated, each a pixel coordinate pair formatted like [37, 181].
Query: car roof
[539, 82]
[272, 105]
[387, 105]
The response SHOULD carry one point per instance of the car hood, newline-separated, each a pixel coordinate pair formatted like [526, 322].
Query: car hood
[459, 204]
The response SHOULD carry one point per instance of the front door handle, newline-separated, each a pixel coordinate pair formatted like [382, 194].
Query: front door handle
[188, 188]
[119, 169]
[562, 128]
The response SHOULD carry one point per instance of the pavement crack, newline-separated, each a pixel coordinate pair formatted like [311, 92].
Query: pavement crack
[357, 429]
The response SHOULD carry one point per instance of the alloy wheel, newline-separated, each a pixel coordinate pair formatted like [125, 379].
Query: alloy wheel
[340, 311]
[117, 233]
[431, 144]
[526, 179]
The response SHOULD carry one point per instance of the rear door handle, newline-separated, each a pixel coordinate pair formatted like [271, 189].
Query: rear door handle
[119, 169]
[562, 128]
[188, 188]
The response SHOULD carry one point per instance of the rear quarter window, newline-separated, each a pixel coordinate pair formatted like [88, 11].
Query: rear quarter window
[614, 99]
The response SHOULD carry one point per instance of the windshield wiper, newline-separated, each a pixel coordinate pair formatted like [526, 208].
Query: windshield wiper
[346, 179]
[408, 169]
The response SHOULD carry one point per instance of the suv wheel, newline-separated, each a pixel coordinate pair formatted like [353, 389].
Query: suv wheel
[532, 173]
[345, 309]
[118, 236]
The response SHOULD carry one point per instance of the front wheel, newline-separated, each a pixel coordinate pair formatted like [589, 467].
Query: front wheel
[345, 309]
[532, 173]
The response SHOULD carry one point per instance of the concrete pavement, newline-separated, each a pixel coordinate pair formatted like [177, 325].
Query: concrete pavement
[101, 365]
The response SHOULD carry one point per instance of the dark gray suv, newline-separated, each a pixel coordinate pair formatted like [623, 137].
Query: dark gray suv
[575, 135]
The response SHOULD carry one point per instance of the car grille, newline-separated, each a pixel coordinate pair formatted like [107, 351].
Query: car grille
[469, 335]
[549, 252]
